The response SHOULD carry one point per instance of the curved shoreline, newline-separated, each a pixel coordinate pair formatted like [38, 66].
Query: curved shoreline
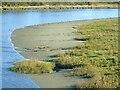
[25, 32]
[39, 32]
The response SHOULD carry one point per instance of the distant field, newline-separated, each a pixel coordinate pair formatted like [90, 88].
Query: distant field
[56, 5]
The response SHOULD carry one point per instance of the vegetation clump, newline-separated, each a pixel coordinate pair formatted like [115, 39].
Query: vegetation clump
[101, 82]
[32, 67]
[82, 38]
[86, 71]
[66, 62]
[41, 47]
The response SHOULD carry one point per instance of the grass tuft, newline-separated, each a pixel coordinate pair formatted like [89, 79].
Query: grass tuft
[32, 67]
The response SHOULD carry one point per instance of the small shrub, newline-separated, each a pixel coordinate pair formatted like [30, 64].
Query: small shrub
[86, 71]
[41, 47]
[104, 81]
[82, 38]
[67, 62]
[32, 67]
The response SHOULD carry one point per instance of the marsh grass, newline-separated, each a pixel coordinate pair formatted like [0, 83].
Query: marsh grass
[86, 71]
[100, 81]
[32, 67]
[100, 51]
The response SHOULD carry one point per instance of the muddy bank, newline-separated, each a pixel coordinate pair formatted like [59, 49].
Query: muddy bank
[42, 41]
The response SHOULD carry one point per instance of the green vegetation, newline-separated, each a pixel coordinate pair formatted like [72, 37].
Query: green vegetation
[100, 82]
[97, 57]
[86, 71]
[52, 3]
[32, 67]
[57, 5]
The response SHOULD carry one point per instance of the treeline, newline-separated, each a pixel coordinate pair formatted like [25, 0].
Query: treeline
[52, 3]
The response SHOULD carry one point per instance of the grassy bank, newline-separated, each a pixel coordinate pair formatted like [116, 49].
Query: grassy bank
[60, 7]
[97, 57]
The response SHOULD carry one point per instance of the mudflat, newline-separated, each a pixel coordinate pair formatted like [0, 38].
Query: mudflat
[43, 41]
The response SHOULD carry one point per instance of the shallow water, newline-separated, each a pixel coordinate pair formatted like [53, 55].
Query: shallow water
[12, 20]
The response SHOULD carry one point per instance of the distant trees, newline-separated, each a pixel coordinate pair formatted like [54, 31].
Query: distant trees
[22, 3]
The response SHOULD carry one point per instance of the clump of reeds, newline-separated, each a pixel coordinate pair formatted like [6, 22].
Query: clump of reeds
[101, 82]
[85, 71]
[32, 67]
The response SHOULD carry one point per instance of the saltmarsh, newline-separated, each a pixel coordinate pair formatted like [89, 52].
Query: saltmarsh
[99, 52]
[96, 58]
